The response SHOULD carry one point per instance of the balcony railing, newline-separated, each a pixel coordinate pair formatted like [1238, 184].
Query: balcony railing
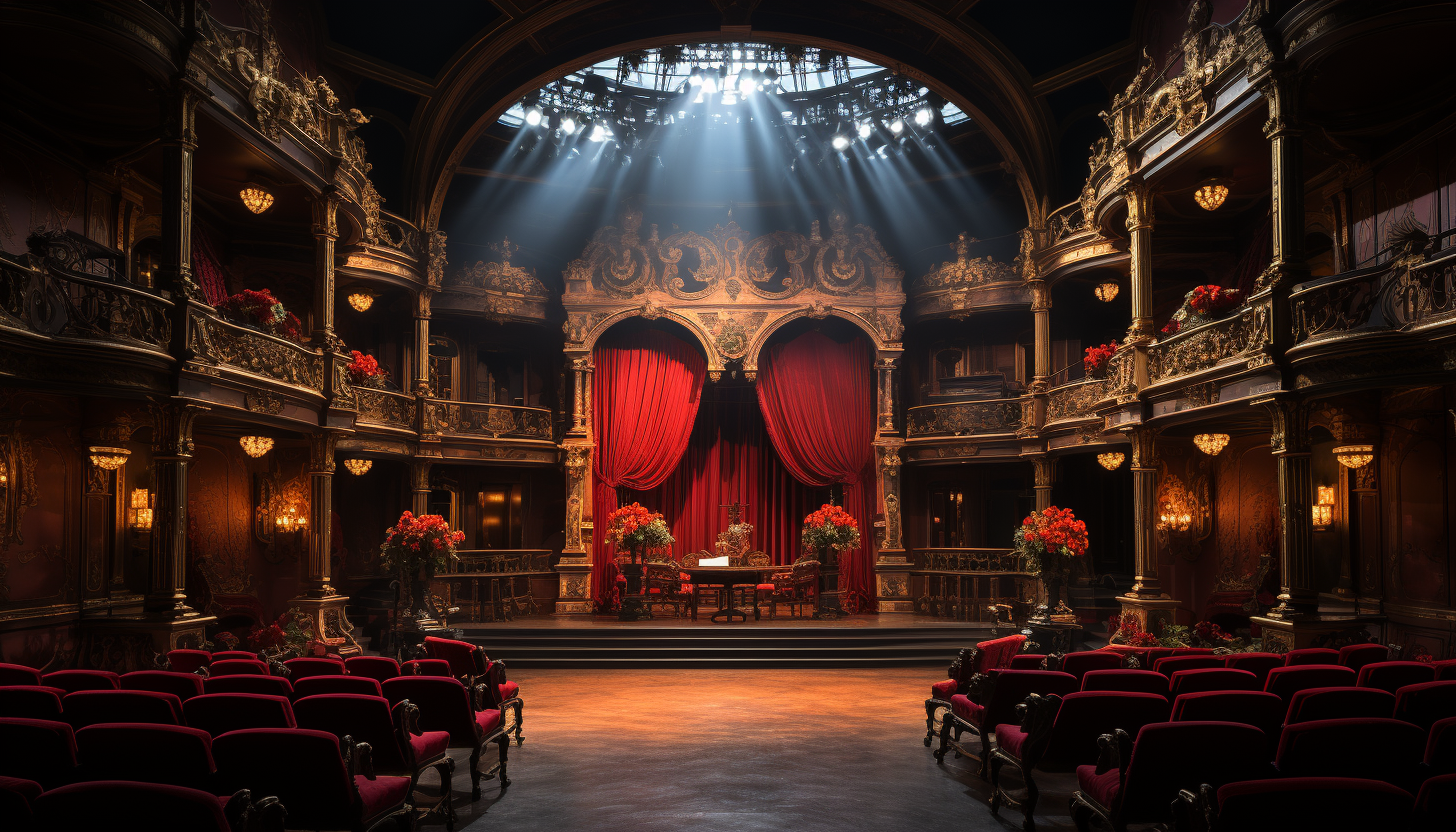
[1240, 339]
[966, 560]
[1390, 297]
[215, 341]
[449, 418]
[965, 418]
[385, 408]
[1076, 400]
[73, 307]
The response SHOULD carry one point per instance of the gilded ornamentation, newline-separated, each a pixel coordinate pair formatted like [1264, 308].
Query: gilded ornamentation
[1242, 337]
[382, 407]
[500, 277]
[1003, 561]
[473, 419]
[217, 342]
[435, 266]
[68, 306]
[578, 325]
[261, 401]
[21, 491]
[1078, 399]
[732, 332]
[1408, 293]
[963, 418]
[967, 271]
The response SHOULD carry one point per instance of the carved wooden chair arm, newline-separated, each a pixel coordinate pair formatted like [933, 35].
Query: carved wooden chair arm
[1195, 812]
[978, 688]
[358, 757]
[239, 810]
[406, 724]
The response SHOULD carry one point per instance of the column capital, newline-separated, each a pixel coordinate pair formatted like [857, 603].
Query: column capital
[1288, 424]
[326, 215]
[1139, 200]
[1144, 447]
[321, 448]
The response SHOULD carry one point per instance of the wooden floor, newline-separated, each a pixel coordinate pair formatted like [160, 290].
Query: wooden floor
[849, 622]
[800, 750]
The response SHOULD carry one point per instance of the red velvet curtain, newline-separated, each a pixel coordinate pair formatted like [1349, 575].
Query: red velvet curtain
[645, 395]
[818, 401]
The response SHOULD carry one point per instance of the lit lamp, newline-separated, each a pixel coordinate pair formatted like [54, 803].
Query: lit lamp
[1210, 195]
[1354, 456]
[358, 467]
[141, 509]
[1106, 291]
[362, 300]
[1324, 506]
[108, 459]
[256, 446]
[1211, 443]
[1175, 518]
[256, 198]
[291, 521]
[1111, 460]
[4, 474]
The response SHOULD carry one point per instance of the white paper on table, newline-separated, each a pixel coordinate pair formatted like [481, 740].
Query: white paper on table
[723, 561]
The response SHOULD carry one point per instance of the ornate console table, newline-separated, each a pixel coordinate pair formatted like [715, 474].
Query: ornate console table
[499, 571]
[960, 583]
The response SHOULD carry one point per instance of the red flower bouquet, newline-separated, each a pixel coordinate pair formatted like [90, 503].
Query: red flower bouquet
[289, 636]
[415, 542]
[364, 371]
[1047, 539]
[1096, 358]
[830, 527]
[633, 525]
[263, 311]
[1211, 300]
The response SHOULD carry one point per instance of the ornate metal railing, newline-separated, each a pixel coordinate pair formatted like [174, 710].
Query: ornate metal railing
[962, 583]
[215, 341]
[964, 418]
[1076, 400]
[1068, 221]
[66, 306]
[1241, 338]
[503, 561]
[1384, 298]
[391, 231]
[440, 417]
[386, 408]
[997, 561]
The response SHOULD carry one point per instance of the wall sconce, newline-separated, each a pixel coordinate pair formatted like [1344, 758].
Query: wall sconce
[1111, 461]
[361, 300]
[1106, 291]
[108, 459]
[256, 198]
[1211, 443]
[1324, 507]
[289, 520]
[256, 446]
[358, 467]
[140, 509]
[4, 474]
[1175, 519]
[1354, 456]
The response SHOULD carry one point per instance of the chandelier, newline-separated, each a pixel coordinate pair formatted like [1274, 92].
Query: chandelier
[108, 459]
[1106, 291]
[1211, 443]
[1210, 195]
[256, 198]
[1111, 460]
[1354, 456]
[289, 520]
[358, 467]
[256, 446]
[361, 301]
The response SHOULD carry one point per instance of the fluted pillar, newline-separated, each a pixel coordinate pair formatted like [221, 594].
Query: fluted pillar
[318, 575]
[1289, 440]
[421, 381]
[172, 449]
[1139, 200]
[1145, 513]
[1044, 474]
[325, 236]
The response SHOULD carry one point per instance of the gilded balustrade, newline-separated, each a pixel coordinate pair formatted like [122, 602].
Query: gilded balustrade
[961, 583]
[72, 307]
[989, 561]
[214, 341]
[1390, 297]
[450, 418]
[1078, 399]
[1241, 339]
[965, 418]
[385, 408]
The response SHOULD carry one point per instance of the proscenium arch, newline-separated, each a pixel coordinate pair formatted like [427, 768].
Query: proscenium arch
[704, 339]
[1030, 178]
[761, 340]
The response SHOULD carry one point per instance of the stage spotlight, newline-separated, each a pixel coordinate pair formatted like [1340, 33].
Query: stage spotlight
[924, 116]
[897, 126]
[839, 142]
[695, 79]
[745, 85]
[865, 129]
[533, 116]
[568, 125]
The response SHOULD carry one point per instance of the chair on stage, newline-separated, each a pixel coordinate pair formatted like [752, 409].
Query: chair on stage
[798, 587]
[972, 668]
[662, 586]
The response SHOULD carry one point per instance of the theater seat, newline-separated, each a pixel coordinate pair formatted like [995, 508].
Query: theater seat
[18, 674]
[1284, 682]
[238, 667]
[1311, 655]
[1440, 756]
[184, 686]
[1209, 679]
[319, 685]
[306, 667]
[72, 681]
[1313, 704]
[1172, 664]
[219, 713]
[173, 755]
[50, 751]
[1425, 703]
[31, 702]
[17, 797]
[377, 668]
[1258, 664]
[1327, 804]
[1009, 688]
[445, 705]
[90, 707]
[149, 806]
[1436, 803]
[1356, 656]
[187, 661]
[249, 683]
[1264, 711]
[426, 667]
[1127, 681]
[1079, 663]
[1373, 749]
[1392, 676]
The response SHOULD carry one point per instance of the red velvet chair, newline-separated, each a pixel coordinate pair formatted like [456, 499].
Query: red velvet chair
[1137, 781]
[426, 667]
[1313, 704]
[235, 655]
[1155, 653]
[237, 667]
[31, 702]
[378, 668]
[1264, 711]
[1356, 656]
[1211, 679]
[219, 713]
[1258, 664]
[1126, 681]
[1425, 703]
[1436, 803]
[1327, 804]
[446, 705]
[1373, 749]
[398, 746]
[1311, 655]
[1027, 661]
[71, 681]
[970, 663]
[187, 661]
[1392, 676]
[91, 707]
[1285, 681]
[306, 667]
[321, 785]
[17, 797]
[1009, 688]
[1060, 733]
[184, 686]
[18, 674]
[1079, 663]
[173, 755]
[470, 665]
[1440, 756]
[321, 685]
[249, 683]
[137, 806]
[1445, 670]
[50, 751]
[1169, 665]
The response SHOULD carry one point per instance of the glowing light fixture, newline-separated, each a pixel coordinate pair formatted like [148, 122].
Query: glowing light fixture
[924, 116]
[1106, 291]
[256, 198]
[1211, 443]
[140, 508]
[362, 300]
[1354, 456]
[1323, 510]
[358, 467]
[289, 520]
[4, 474]
[533, 116]
[108, 459]
[1210, 195]
[1111, 460]
[897, 126]
[568, 126]
[839, 142]
[256, 446]
[865, 129]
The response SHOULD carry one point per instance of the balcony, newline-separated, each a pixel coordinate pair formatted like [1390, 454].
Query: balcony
[987, 417]
[1392, 297]
[225, 349]
[74, 308]
[1077, 401]
[385, 410]
[1224, 347]
[450, 419]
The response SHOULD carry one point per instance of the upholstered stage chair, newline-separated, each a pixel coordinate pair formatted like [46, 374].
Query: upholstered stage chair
[31, 702]
[91, 707]
[319, 685]
[1258, 664]
[1284, 682]
[426, 667]
[1264, 711]
[173, 755]
[397, 745]
[187, 661]
[321, 785]
[306, 667]
[149, 806]
[1436, 803]
[219, 713]
[184, 686]
[1440, 756]
[235, 655]
[1060, 733]
[377, 668]
[1009, 688]
[18, 674]
[1328, 804]
[1311, 655]
[1374, 749]
[470, 665]
[1126, 681]
[249, 683]
[1079, 663]
[447, 705]
[1137, 781]
[972, 665]
[237, 667]
[1392, 676]
[1425, 703]
[72, 681]
[1356, 656]
[798, 588]
[1211, 679]
[1313, 704]
[50, 751]
[1169, 665]
[17, 799]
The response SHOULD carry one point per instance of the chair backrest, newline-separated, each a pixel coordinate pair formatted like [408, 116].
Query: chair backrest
[1127, 681]
[50, 751]
[1170, 756]
[1311, 655]
[18, 674]
[997, 653]
[1169, 665]
[31, 702]
[230, 655]
[1211, 679]
[304, 668]
[377, 668]
[71, 681]
[1392, 676]
[443, 702]
[304, 769]
[248, 683]
[237, 667]
[1374, 749]
[1356, 656]
[1258, 664]
[1440, 756]
[1079, 663]
[171, 754]
[219, 713]
[1313, 704]
[1436, 803]
[16, 798]
[319, 685]
[89, 707]
[1086, 715]
[1028, 661]
[1284, 681]
[426, 667]
[1425, 703]
[188, 661]
[1445, 670]
[1264, 711]
[1011, 687]
[466, 659]
[151, 806]
[184, 686]
[365, 718]
[1155, 653]
[1324, 803]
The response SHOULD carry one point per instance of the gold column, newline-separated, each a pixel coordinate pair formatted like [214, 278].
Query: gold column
[1044, 472]
[325, 235]
[1139, 199]
[885, 369]
[1289, 439]
[1146, 601]
[574, 568]
[318, 578]
[422, 343]
[420, 486]
[172, 449]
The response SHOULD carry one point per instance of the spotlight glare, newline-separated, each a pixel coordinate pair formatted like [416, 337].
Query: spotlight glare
[840, 141]
[597, 133]
[865, 130]
[568, 125]
[897, 126]
[923, 116]
[533, 116]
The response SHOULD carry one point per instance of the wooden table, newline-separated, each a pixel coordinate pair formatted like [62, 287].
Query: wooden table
[728, 577]
[498, 570]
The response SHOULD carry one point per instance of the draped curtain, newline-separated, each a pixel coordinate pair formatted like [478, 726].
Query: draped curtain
[645, 395]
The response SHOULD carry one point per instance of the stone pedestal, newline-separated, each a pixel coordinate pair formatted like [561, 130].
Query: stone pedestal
[1151, 613]
[573, 594]
[892, 582]
[1280, 635]
[329, 623]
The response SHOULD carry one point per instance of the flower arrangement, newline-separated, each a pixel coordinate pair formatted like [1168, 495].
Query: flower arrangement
[227, 640]
[415, 542]
[1095, 359]
[830, 527]
[1046, 540]
[632, 526]
[261, 310]
[1125, 629]
[289, 634]
[1213, 300]
[364, 371]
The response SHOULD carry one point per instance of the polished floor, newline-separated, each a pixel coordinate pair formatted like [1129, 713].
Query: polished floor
[799, 750]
